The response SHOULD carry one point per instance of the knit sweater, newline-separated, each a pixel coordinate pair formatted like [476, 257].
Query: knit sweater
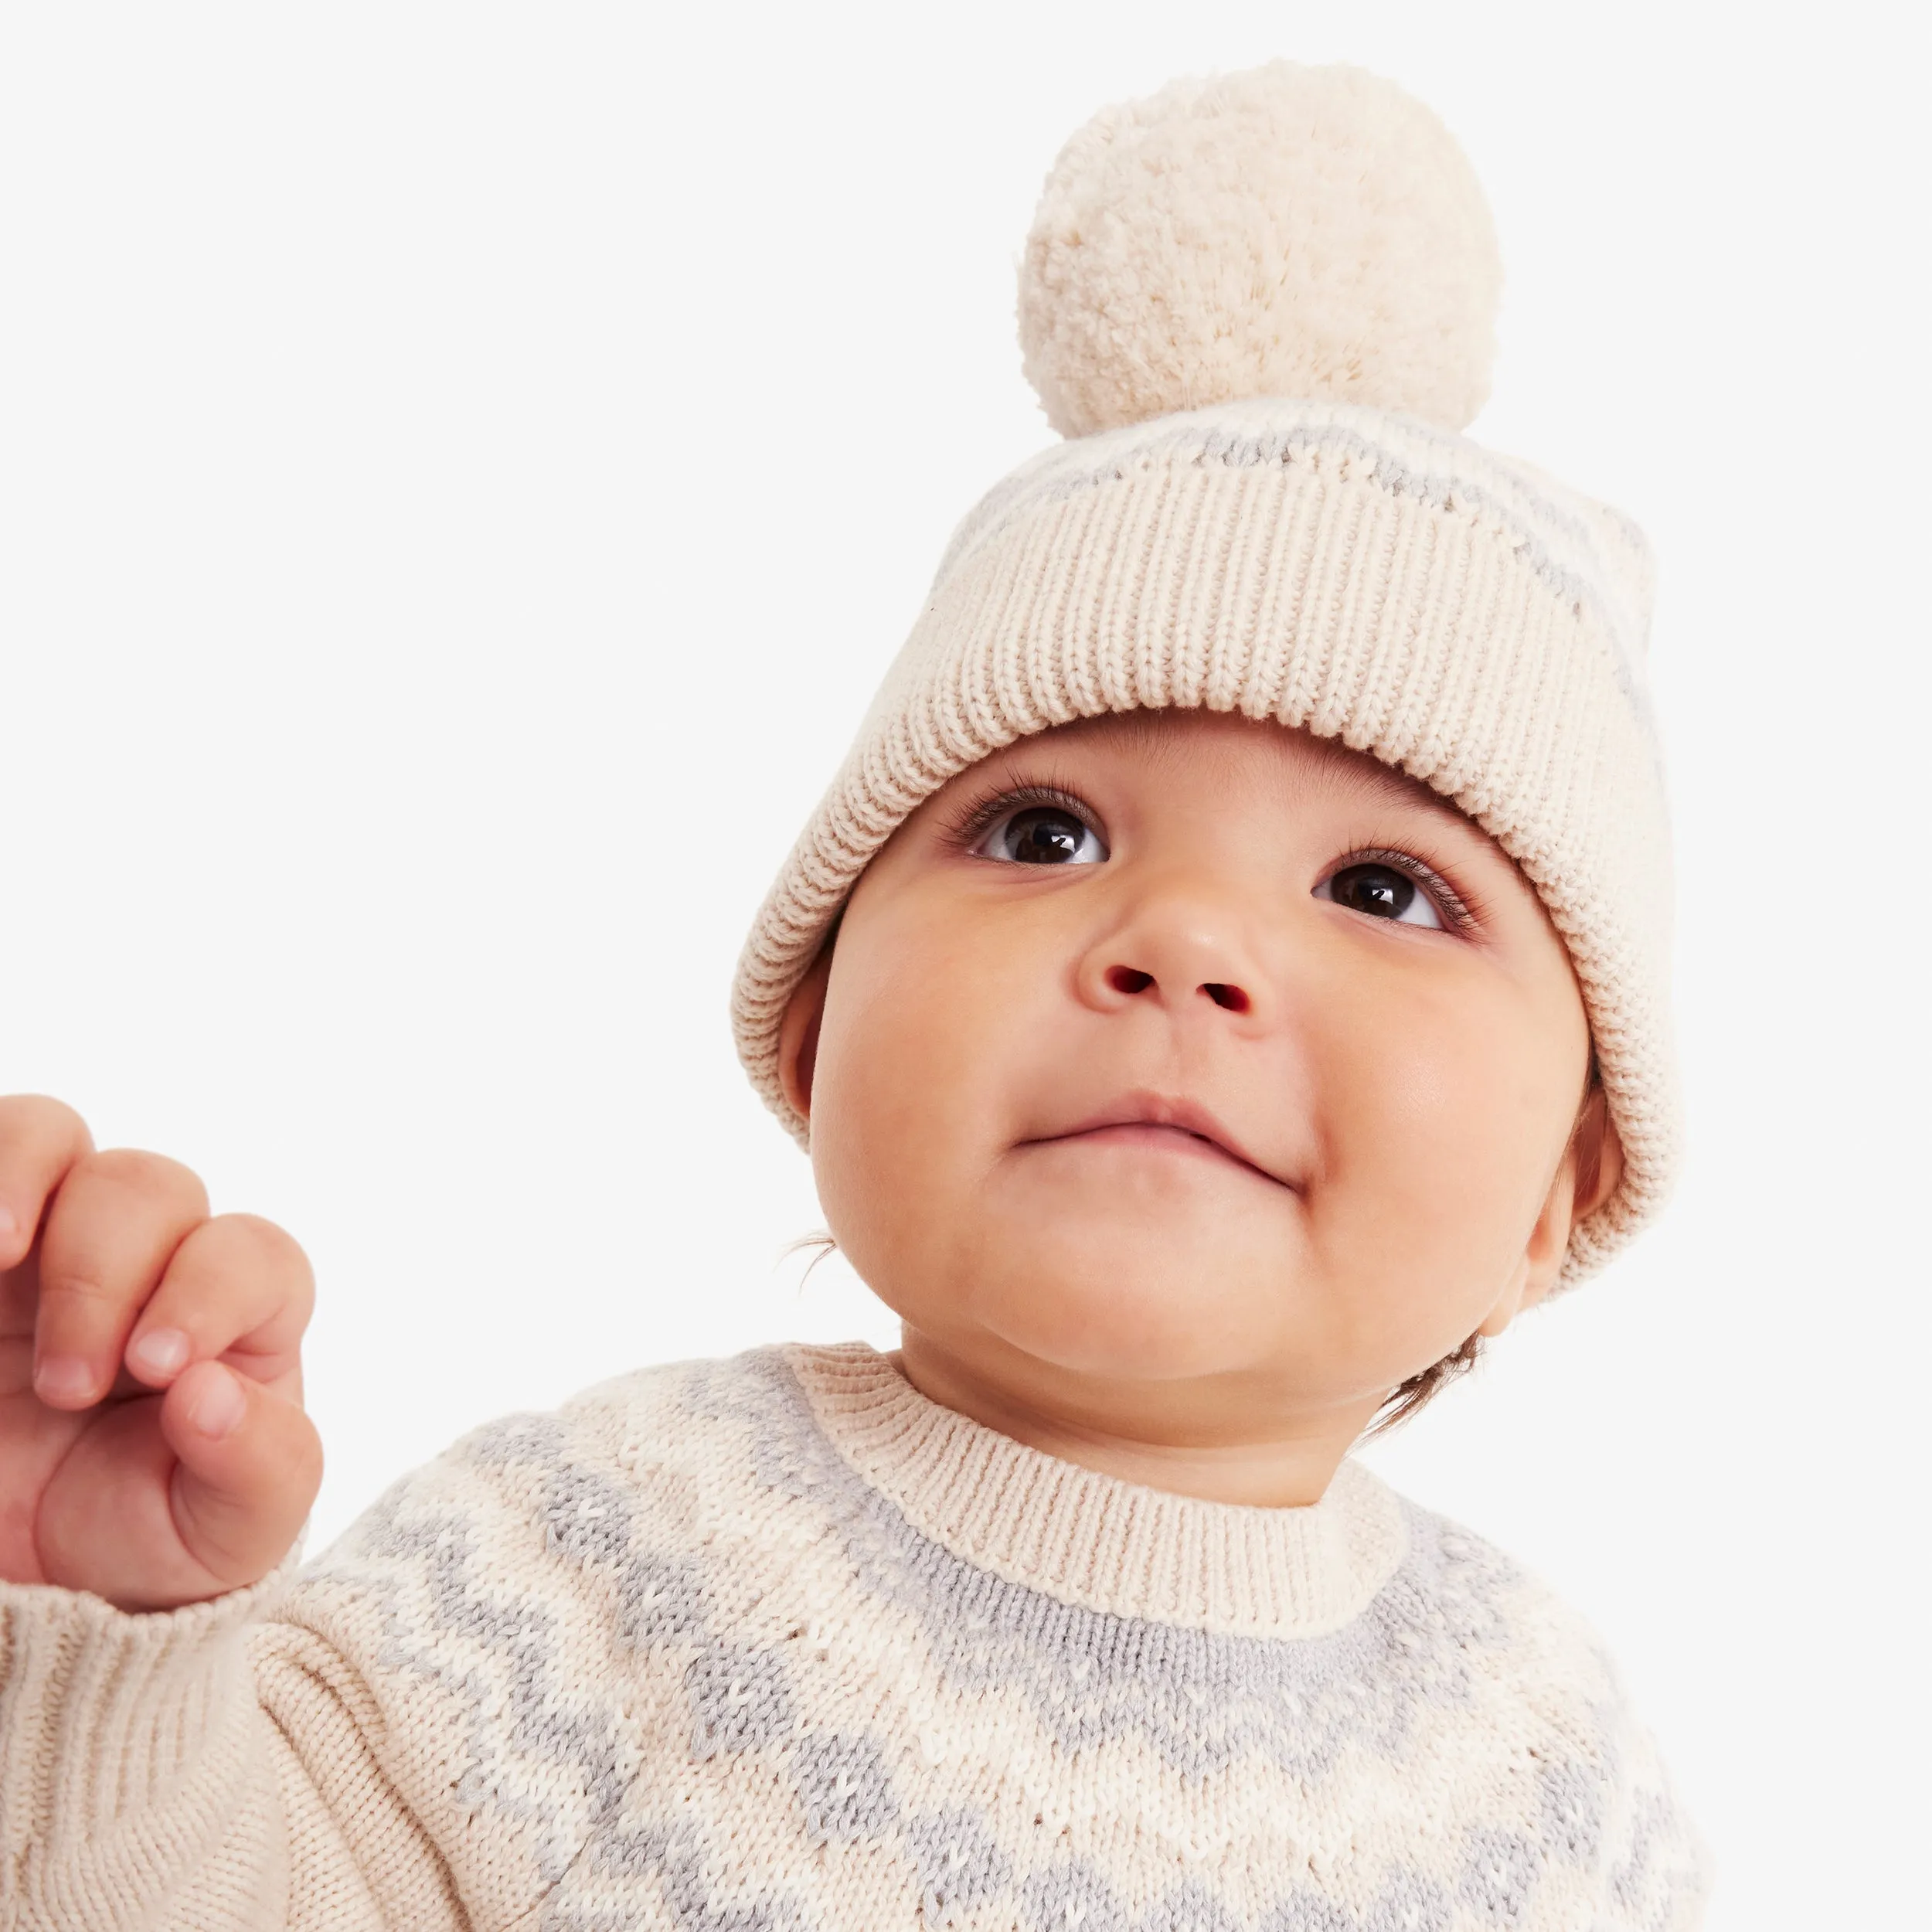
[776, 1643]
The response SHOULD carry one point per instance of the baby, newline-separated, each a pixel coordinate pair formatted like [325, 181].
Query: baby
[1225, 983]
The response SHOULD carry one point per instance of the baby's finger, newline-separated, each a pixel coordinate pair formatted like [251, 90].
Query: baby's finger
[250, 1465]
[236, 1285]
[40, 1138]
[112, 1225]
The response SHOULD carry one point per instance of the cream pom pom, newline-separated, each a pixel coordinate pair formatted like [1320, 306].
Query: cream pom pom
[1290, 231]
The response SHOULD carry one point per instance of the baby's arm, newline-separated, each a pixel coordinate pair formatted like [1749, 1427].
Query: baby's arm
[199, 1768]
[171, 1753]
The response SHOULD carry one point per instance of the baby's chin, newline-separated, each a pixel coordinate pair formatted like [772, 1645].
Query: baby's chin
[1130, 1296]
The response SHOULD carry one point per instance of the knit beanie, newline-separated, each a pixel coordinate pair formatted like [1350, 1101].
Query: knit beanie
[1259, 308]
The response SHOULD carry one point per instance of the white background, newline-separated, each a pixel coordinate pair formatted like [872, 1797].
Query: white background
[461, 472]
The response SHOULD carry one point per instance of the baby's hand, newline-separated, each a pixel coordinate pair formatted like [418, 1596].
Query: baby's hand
[153, 1446]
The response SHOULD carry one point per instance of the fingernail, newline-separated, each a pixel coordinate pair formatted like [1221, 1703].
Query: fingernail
[219, 1406]
[9, 1229]
[63, 1378]
[158, 1352]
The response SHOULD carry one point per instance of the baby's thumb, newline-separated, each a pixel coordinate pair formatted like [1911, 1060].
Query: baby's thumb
[249, 1465]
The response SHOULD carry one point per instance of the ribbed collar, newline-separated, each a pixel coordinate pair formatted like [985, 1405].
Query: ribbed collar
[1092, 1539]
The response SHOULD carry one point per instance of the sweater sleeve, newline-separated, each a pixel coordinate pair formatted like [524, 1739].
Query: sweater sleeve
[415, 1731]
[200, 1767]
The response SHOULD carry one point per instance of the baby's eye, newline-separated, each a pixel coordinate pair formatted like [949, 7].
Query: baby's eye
[1041, 835]
[1382, 891]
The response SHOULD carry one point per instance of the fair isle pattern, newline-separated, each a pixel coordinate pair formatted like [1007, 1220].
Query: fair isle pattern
[667, 1658]
[818, 1716]
[1334, 568]
[1200, 1699]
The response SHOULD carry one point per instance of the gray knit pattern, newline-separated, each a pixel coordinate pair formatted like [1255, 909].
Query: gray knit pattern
[700, 1673]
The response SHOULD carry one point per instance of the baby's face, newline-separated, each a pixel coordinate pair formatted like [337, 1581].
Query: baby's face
[1175, 1045]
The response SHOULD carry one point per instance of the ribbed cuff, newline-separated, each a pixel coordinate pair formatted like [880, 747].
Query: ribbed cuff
[122, 1734]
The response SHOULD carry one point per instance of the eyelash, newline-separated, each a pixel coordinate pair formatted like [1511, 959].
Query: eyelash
[973, 819]
[1458, 908]
[971, 822]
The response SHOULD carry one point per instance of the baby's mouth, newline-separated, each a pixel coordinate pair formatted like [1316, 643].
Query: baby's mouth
[1175, 1124]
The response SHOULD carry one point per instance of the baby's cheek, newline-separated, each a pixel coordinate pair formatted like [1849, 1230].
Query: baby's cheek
[907, 1099]
[1440, 1135]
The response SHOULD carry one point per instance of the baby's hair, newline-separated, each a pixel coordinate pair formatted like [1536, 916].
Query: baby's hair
[820, 1238]
[1405, 1400]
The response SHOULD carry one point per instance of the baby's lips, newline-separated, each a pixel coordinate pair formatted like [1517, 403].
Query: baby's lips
[1181, 1112]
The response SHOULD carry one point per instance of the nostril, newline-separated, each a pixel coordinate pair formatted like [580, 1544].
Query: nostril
[1128, 979]
[1231, 997]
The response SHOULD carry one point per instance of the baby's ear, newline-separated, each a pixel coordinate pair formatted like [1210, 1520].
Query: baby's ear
[798, 1033]
[1593, 1164]
[1599, 1154]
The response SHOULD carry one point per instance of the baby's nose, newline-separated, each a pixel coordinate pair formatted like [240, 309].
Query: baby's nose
[1132, 982]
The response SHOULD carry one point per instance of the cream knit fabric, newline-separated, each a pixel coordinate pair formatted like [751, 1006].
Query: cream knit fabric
[1333, 563]
[775, 1645]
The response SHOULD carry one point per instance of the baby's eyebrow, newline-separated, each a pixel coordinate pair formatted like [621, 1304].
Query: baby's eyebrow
[1349, 773]
[1383, 782]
